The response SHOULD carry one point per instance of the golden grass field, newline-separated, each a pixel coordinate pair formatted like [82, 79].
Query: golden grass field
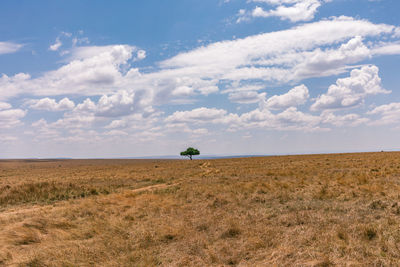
[311, 210]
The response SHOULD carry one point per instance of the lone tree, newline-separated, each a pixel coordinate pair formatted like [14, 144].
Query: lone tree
[190, 152]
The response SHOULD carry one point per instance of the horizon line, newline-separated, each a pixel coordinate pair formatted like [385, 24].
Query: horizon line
[206, 156]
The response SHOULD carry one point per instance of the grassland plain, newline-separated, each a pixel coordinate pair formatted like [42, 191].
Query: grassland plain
[311, 210]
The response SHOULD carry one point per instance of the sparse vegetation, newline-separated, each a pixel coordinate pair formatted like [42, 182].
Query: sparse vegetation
[312, 210]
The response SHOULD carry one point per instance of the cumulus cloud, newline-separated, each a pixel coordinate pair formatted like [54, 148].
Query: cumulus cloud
[300, 11]
[74, 120]
[289, 119]
[88, 73]
[10, 118]
[117, 54]
[183, 91]
[331, 61]
[276, 58]
[118, 104]
[292, 10]
[135, 121]
[343, 120]
[295, 97]
[240, 68]
[351, 91]
[51, 104]
[116, 124]
[283, 56]
[87, 113]
[389, 114]
[196, 115]
[9, 47]
[293, 117]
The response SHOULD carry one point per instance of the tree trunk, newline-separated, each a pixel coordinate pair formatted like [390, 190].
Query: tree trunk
[190, 156]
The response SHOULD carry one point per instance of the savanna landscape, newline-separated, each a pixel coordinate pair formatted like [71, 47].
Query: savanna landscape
[131, 133]
[305, 210]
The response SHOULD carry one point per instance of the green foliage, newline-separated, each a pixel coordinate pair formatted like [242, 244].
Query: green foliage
[190, 152]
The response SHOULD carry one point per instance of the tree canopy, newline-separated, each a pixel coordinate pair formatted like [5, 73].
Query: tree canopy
[190, 152]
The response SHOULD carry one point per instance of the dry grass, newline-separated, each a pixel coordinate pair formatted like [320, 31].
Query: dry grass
[314, 210]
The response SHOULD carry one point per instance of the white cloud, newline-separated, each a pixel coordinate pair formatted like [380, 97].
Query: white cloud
[75, 120]
[9, 47]
[119, 104]
[200, 131]
[243, 15]
[42, 130]
[10, 118]
[116, 133]
[246, 97]
[343, 120]
[283, 56]
[277, 2]
[196, 115]
[292, 116]
[13, 86]
[389, 113]
[331, 61]
[141, 54]
[79, 41]
[300, 11]
[237, 87]
[183, 91]
[4, 105]
[240, 68]
[56, 45]
[86, 114]
[65, 38]
[295, 97]
[276, 58]
[91, 72]
[117, 54]
[387, 49]
[117, 124]
[292, 10]
[351, 92]
[135, 121]
[51, 104]
[290, 119]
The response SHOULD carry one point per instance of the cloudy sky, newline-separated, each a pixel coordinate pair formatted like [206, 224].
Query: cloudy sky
[147, 78]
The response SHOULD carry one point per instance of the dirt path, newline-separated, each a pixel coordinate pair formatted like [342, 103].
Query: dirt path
[208, 169]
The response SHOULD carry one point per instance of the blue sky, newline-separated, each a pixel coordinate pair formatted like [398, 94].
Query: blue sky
[148, 78]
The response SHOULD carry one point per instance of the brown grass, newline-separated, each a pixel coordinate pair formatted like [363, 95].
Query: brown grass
[313, 210]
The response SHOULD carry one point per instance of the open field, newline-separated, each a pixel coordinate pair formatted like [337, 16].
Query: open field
[312, 210]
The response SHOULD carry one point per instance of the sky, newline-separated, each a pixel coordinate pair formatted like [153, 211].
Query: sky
[95, 79]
